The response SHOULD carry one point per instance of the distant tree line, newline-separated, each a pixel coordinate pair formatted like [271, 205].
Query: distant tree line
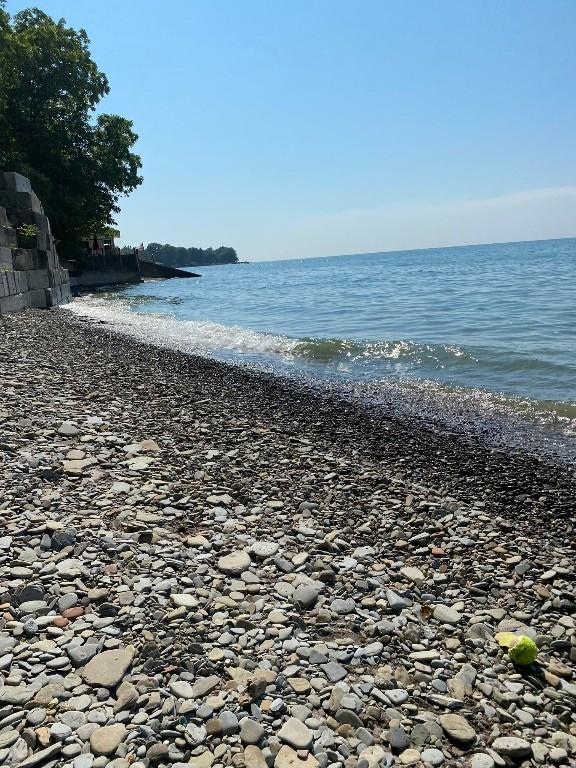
[176, 256]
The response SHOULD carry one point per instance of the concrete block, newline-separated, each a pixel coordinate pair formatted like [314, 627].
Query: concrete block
[21, 281]
[6, 257]
[38, 278]
[29, 258]
[20, 201]
[3, 286]
[3, 218]
[54, 277]
[52, 258]
[38, 298]
[14, 303]
[11, 280]
[8, 238]
[14, 182]
[20, 217]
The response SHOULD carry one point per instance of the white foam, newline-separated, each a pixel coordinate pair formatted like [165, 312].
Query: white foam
[199, 337]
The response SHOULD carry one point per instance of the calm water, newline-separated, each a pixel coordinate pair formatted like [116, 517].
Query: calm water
[496, 323]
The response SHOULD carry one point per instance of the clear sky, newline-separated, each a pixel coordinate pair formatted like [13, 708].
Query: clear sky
[316, 127]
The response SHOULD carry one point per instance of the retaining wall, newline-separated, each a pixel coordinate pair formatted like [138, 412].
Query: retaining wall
[104, 269]
[30, 272]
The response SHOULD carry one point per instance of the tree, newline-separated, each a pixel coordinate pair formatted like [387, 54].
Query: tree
[49, 88]
[177, 256]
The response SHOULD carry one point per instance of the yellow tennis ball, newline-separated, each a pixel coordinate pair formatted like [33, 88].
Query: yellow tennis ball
[524, 650]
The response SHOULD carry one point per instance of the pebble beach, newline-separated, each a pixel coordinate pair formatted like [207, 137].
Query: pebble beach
[205, 566]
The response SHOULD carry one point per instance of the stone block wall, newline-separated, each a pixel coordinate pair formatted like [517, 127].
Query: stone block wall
[30, 272]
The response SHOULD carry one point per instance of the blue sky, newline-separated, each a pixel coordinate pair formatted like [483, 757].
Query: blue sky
[315, 127]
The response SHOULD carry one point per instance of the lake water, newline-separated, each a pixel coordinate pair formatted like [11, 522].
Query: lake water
[492, 324]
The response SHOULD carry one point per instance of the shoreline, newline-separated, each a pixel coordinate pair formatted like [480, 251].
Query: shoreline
[505, 421]
[205, 566]
[383, 427]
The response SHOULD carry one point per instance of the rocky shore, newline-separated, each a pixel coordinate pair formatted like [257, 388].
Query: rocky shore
[202, 566]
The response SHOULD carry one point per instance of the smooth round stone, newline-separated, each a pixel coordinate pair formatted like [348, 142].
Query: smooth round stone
[481, 760]
[182, 689]
[409, 756]
[305, 594]
[446, 615]
[343, 606]
[511, 746]
[83, 761]
[235, 562]
[106, 740]
[34, 606]
[184, 600]
[250, 731]
[67, 601]
[433, 756]
[458, 728]
[36, 716]
[70, 750]
[60, 731]
[264, 549]
[107, 669]
[8, 738]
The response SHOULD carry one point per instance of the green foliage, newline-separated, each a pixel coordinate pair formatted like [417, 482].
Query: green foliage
[49, 87]
[109, 232]
[27, 230]
[175, 256]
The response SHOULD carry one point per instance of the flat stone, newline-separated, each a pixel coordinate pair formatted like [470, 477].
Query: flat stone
[15, 695]
[409, 756]
[184, 600]
[204, 685]
[41, 756]
[106, 740]
[334, 671]
[250, 731]
[254, 757]
[8, 737]
[182, 689]
[432, 756]
[264, 549]
[81, 654]
[295, 733]
[288, 758]
[235, 562]
[68, 428]
[343, 606]
[34, 606]
[305, 594]
[481, 760]
[458, 729]
[446, 615]
[372, 756]
[205, 760]
[413, 574]
[107, 669]
[126, 697]
[511, 746]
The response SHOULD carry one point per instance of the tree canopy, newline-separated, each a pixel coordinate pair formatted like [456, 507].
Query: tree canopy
[79, 164]
[176, 256]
